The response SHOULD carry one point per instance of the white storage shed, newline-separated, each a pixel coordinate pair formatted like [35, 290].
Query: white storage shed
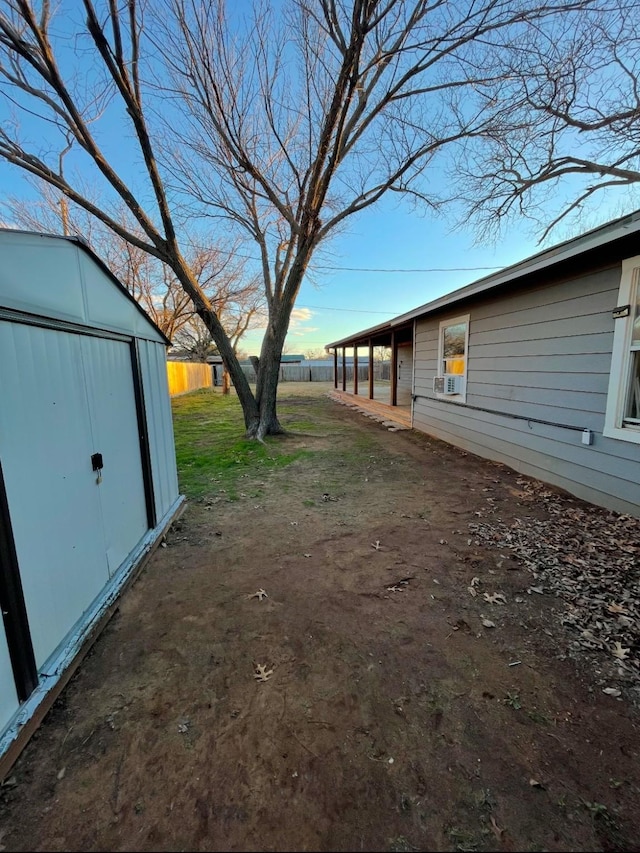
[88, 479]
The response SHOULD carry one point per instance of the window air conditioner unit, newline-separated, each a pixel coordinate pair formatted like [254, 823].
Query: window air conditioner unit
[450, 383]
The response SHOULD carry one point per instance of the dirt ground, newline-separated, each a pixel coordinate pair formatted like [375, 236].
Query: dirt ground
[394, 716]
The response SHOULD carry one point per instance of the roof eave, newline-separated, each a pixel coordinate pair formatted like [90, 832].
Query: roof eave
[544, 260]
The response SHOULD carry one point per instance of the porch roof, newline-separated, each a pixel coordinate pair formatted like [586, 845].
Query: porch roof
[378, 336]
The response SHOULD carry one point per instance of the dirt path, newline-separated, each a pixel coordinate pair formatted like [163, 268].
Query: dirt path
[394, 718]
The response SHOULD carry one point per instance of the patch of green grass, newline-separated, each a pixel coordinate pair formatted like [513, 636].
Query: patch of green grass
[538, 717]
[513, 701]
[211, 451]
[599, 812]
[462, 839]
[400, 845]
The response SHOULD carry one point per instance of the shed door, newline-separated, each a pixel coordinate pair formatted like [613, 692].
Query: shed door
[46, 446]
[116, 437]
[64, 398]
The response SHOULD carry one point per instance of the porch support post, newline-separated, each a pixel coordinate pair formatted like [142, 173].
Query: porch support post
[335, 368]
[370, 369]
[344, 368]
[394, 370]
[355, 370]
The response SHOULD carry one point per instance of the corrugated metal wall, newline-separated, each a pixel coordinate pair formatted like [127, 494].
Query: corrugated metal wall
[153, 365]
[8, 697]
[303, 372]
[542, 353]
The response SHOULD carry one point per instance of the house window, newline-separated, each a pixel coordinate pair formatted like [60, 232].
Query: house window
[623, 401]
[453, 347]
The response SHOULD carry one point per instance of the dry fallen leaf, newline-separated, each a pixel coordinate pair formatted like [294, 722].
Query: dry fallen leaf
[612, 691]
[472, 590]
[535, 784]
[260, 594]
[616, 608]
[262, 673]
[619, 652]
[488, 623]
[376, 545]
[497, 831]
[495, 598]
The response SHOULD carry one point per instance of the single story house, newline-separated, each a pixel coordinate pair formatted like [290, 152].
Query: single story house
[536, 366]
[88, 480]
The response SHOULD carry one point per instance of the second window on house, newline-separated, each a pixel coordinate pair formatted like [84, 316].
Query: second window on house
[623, 398]
[453, 346]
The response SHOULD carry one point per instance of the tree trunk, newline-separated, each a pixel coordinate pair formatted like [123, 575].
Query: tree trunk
[269, 371]
[267, 382]
[226, 381]
[231, 364]
[259, 409]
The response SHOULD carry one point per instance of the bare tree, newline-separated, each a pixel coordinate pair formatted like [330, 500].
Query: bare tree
[194, 341]
[316, 354]
[282, 129]
[570, 124]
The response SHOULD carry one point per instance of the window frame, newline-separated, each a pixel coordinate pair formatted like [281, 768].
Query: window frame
[621, 358]
[454, 321]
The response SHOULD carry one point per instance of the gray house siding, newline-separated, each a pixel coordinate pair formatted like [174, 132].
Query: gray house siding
[405, 374]
[540, 353]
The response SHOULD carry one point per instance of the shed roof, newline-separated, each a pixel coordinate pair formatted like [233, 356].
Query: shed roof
[617, 229]
[81, 244]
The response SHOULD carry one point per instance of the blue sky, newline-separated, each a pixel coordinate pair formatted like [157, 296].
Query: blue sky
[419, 259]
[389, 260]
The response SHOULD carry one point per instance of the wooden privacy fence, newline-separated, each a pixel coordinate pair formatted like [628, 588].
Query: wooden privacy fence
[186, 376]
[189, 376]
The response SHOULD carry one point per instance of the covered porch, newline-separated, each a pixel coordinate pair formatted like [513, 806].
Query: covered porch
[378, 386]
[395, 417]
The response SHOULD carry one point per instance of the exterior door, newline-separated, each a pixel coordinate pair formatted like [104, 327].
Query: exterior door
[46, 446]
[64, 398]
[114, 424]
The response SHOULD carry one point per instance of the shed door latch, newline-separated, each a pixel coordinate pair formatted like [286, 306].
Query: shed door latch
[96, 462]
